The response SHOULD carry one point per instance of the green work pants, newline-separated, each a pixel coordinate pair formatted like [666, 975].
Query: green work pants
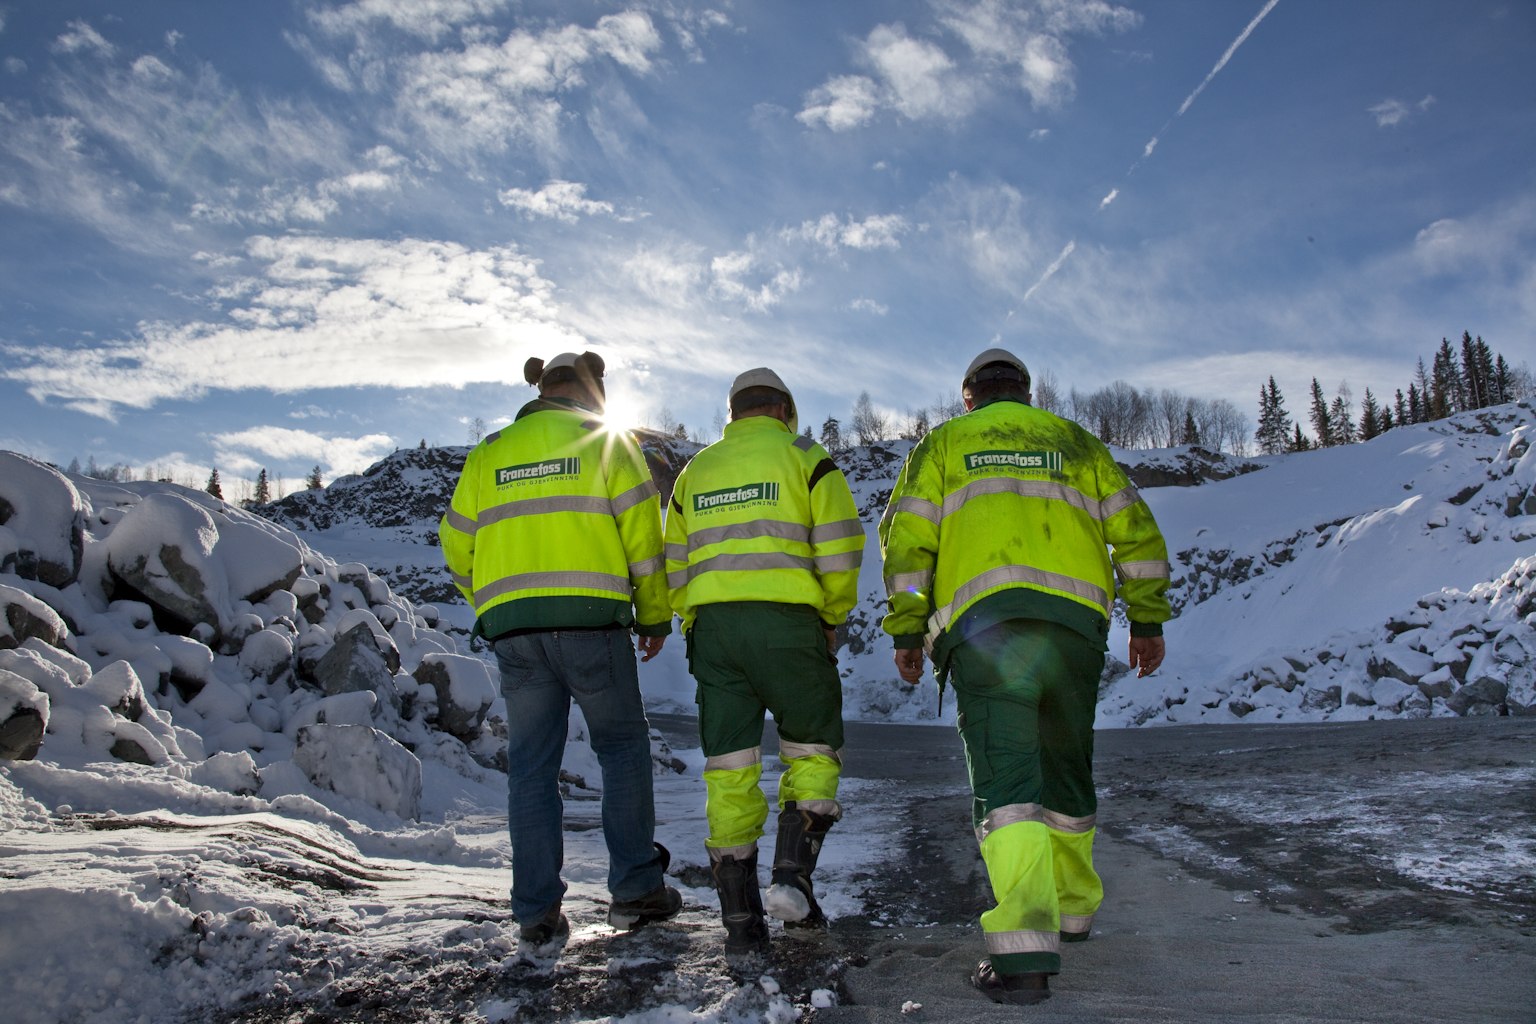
[750, 657]
[1026, 691]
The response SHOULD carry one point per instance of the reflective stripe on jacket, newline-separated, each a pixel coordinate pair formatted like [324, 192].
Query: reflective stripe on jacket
[556, 522]
[1006, 497]
[763, 515]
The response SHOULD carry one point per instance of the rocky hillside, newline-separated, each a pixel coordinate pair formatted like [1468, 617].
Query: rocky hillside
[157, 625]
[1294, 576]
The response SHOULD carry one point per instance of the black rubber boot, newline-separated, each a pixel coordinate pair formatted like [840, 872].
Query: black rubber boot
[1020, 989]
[741, 904]
[791, 897]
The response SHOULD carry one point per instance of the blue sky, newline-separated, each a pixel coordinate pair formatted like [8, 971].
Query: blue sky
[295, 233]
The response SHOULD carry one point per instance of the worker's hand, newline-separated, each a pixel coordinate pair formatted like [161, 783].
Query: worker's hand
[909, 664]
[1146, 654]
[649, 646]
[831, 635]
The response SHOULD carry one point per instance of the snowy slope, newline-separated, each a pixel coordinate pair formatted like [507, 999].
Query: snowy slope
[241, 768]
[1272, 557]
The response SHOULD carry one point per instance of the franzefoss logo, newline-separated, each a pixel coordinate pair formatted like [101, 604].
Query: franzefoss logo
[745, 494]
[1048, 462]
[538, 471]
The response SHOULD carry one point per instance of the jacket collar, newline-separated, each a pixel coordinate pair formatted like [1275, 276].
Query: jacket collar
[755, 425]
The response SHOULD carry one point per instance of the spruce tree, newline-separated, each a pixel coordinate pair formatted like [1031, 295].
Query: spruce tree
[263, 488]
[832, 437]
[1341, 417]
[1501, 390]
[1400, 407]
[1299, 443]
[1370, 417]
[1322, 424]
[1191, 435]
[1446, 388]
[1273, 433]
[213, 487]
[1421, 381]
[313, 481]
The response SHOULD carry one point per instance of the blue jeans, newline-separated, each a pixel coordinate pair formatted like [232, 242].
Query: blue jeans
[540, 673]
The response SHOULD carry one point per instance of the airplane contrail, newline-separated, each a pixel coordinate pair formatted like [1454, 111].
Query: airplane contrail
[1190, 99]
[1227, 56]
[1050, 270]
[1151, 145]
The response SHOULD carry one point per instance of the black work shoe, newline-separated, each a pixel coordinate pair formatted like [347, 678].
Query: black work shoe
[547, 935]
[659, 904]
[1020, 989]
[1074, 936]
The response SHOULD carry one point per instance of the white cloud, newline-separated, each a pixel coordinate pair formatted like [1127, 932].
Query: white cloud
[562, 200]
[125, 147]
[431, 20]
[746, 278]
[831, 233]
[80, 38]
[487, 95]
[1392, 112]
[869, 306]
[323, 312]
[1004, 45]
[918, 76]
[668, 277]
[1114, 194]
[845, 102]
[15, 66]
[1389, 113]
[249, 451]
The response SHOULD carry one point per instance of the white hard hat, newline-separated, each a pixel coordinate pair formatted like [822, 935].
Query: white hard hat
[570, 366]
[999, 363]
[762, 377]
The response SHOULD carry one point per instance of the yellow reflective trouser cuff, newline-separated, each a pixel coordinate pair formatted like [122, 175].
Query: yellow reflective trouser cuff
[1023, 930]
[811, 780]
[1079, 892]
[734, 805]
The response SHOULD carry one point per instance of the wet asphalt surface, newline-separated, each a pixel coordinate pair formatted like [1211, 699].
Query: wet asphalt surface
[1380, 871]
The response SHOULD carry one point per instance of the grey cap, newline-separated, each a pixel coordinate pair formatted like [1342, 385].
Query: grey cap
[999, 364]
[762, 377]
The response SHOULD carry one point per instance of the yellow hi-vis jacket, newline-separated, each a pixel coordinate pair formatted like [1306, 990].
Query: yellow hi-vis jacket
[1018, 508]
[556, 523]
[763, 515]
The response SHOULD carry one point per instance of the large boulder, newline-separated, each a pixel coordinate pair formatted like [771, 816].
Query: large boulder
[23, 616]
[192, 557]
[163, 549]
[45, 517]
[362, 763]
[464, 690]
[355, 662]
[23, 717]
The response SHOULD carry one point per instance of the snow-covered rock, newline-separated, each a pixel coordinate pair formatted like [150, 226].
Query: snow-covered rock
[23, 717]
[362, 763]
[464, 691]
[42, 514]
[23, 617]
